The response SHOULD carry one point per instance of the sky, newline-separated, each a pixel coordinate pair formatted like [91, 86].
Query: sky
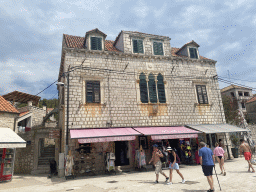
[31, 34]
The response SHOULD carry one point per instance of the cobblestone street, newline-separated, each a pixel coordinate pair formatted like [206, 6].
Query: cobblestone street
[237, 179]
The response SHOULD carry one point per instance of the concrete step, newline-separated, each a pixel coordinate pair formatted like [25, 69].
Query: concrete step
[41, 169]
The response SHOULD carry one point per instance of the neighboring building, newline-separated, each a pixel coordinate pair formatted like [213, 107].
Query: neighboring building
[251, 110]
[240, 94]
[42, 141]
[137, 81]
[8, 115]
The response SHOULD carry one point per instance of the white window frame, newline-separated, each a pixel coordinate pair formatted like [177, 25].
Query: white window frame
[134, 38]
[157, 41]
[196, 52]
[102, 42]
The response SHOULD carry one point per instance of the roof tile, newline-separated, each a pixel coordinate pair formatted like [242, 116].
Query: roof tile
[5, 106]
[251, 100]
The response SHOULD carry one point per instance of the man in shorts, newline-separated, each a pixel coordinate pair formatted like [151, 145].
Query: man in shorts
[206, 158]
[157, 162]
[245, 148]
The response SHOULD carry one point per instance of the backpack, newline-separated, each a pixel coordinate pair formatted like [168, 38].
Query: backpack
[163, 159]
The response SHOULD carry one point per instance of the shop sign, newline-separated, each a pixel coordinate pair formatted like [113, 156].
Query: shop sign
[106, 139]
[159, 137]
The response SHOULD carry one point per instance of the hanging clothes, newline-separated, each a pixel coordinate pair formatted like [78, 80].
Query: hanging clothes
[69, 165]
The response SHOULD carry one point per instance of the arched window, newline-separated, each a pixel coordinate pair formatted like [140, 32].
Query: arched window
[143, 89]
[160, 88]
[152, 88]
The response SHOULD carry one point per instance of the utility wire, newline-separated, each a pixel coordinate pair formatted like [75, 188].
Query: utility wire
[46, 88]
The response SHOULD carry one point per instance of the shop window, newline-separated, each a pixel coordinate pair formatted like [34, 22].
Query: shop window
[143, 89]
[93, 91]
[143, 142]
[202, 94]
[84, 148]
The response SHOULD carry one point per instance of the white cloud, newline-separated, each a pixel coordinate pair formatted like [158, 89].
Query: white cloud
[231, 46]
[141, 9]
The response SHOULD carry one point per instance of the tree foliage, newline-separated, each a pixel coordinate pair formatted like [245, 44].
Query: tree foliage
[49, 103]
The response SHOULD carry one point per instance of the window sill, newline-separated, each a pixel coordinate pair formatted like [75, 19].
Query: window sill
[198, 104]
[153, 103]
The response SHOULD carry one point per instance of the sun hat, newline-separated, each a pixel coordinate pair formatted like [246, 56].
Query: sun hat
[169, 149]
[155, 145]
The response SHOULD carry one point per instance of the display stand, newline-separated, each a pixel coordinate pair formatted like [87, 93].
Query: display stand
[7, 164]
[69, 173]
[140, 159]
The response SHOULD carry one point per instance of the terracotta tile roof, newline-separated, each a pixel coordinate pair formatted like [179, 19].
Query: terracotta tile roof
[5, 106]
[23, 113]
[78, 42]
[48, 110]
[252, 100]
[233, 87]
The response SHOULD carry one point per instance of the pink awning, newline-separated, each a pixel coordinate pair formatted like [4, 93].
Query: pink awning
[103, 135]
[158, 133]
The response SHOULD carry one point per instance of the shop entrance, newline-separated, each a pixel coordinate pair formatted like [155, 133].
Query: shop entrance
[121, 153]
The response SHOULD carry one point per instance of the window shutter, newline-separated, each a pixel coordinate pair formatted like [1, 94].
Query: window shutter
[93, 43]
[204, 92]
[193, 53]
[89, 92]
[152, 89]
[143, 89]
[160, 49]
[140, 46]
[135, 46]
[155, 47]
[160, 88]
[99, 43]
[96, 89]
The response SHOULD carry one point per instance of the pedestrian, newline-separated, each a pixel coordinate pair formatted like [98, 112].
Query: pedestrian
[173, 164]
[157, 162]
[207, 161]
[219, 155]
[246, 150]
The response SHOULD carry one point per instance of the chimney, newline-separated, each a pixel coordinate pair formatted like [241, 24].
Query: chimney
[30, 103]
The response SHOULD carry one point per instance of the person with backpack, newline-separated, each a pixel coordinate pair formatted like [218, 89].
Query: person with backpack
[173, 164]
[156, 155]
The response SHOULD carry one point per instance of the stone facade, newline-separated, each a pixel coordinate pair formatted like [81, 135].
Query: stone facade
[7, 120]
[118, 74]
[251, 111]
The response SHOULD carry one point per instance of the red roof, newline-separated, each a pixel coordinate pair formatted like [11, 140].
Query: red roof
[5, 106]
[251, 100]
[174, 51]
[23, 113]
[78, 42]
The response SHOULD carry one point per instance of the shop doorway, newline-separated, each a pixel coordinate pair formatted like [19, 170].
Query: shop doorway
[121, 153]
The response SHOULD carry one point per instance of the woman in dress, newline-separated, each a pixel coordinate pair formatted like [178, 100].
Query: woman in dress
[219, 154]
[173, 164]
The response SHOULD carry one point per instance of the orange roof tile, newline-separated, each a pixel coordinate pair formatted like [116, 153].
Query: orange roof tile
[23, 113]
[251, 100]
[78, 42]
[174, 51]
[5, 106]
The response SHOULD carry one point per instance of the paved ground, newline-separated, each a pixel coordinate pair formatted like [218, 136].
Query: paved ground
[237, 179]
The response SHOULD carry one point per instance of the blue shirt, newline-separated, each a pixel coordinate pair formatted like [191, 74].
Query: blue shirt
[206, 155]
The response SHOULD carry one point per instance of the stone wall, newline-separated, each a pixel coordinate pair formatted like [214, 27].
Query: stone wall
[38, 115]
[120, 95]
[7, 120]
[252, 127]
[24, 157]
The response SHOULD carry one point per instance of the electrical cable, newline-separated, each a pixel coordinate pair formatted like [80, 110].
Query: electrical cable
[46, 88]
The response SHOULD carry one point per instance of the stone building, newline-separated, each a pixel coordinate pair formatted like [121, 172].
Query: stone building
[8, 114]
[251, 110]
[137, 81]
[240, 94]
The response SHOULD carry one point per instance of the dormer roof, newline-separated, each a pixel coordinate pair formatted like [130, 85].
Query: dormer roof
[189, 43]
[95, 31]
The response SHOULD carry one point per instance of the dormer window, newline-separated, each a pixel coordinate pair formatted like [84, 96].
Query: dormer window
[137, 46]
[96, 43]
[158, 48]
[193, 53]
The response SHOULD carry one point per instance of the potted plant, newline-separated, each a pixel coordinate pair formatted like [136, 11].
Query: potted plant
[235, 140]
